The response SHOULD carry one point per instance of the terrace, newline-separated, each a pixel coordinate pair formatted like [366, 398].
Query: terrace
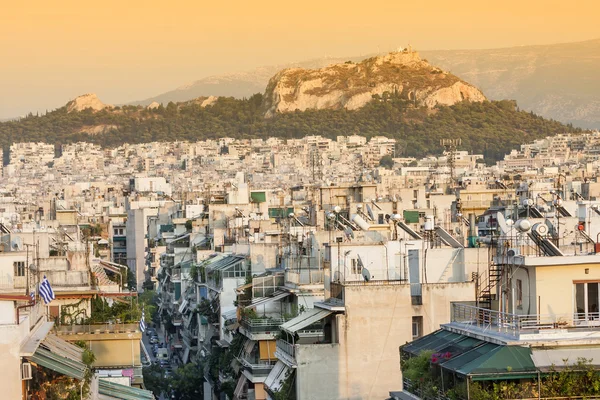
[507, 327]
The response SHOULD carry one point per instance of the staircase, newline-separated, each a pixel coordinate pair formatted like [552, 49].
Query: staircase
[488, 281]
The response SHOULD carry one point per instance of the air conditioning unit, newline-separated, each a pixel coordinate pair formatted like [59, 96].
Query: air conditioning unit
[26, 371]
[513, 252]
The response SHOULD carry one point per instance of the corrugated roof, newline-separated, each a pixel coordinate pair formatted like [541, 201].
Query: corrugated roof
[62, 365]
[432, 342]
[225, 263]
[123, 392]
[276, 377]
[305, 319]
[62, 347]
[277, 295]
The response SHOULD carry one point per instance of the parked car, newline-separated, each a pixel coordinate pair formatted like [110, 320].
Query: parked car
[154, 339]
[150, 332]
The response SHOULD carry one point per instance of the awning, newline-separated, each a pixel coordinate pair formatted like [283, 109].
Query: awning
[432, 342]
[123, 392]
[239, 388]
[183, 306]
[187, 235]
[490, 360]
[230, 314]
[225, 263]
[62, 347]
[249, 346]
[62, 365]
[278, 295]
[186, 355]
[36, 337]
[305, 319]
[276, 377]
[546, 359]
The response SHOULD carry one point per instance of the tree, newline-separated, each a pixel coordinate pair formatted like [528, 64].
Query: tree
[387, 162]
[188, 225]
[187, 382]
[154, 379]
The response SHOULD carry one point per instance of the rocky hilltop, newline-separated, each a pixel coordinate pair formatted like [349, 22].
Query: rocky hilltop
[89, 100]
[352, 85]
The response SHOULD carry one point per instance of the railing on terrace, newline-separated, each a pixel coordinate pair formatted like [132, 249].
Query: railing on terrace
[418, 391]
[265, 286]
[263, 324]
[96, 328]
[260, 369]
[287, 348]
[516, 325]
[304, 277]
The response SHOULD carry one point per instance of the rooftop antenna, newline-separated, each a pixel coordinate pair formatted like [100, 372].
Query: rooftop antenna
[450, 146]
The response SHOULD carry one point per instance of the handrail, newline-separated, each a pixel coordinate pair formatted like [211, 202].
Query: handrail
[517, 324]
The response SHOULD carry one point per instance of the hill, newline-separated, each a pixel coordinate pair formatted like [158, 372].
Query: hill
[492, 128]
[558, 81]
[352, 85]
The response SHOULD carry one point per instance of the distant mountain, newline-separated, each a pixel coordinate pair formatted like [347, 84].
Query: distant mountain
[238, 85]
[559, 81]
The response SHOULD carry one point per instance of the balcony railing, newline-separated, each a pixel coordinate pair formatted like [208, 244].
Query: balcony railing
[263, 324]
[304, 277]
[288, 349]
[515, 325]
[257, 369]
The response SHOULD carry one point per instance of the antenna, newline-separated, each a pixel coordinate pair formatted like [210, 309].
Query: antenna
[450, 146]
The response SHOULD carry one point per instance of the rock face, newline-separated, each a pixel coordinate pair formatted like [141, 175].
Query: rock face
[352, 85]
[85, 101]
[153, 105]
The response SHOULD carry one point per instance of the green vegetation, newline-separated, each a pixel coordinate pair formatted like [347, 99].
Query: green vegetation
[387, 162]
[581, 380]
[491, 128]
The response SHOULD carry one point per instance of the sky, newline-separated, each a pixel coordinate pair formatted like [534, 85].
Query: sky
[53, 51]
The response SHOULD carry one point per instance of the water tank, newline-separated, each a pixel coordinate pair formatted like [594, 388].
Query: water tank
[523, 225]
[362, 224]
[429, 223]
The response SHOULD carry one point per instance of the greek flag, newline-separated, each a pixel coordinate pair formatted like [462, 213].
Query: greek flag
[32, 296]
[143, 322]
[46, 291]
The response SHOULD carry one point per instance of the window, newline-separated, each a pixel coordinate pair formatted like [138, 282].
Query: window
[380, 219]
[19, 268]
[356, 267]
[587, 300]
[519, 293]
[417, 327]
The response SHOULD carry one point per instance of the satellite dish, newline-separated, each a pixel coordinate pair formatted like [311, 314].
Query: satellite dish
[16, 244]
[366, 274]
[337, 276]
[337, 209]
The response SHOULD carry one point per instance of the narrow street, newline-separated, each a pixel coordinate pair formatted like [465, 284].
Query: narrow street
[148, 347]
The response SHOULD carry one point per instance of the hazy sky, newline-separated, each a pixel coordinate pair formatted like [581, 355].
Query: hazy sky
[125, 50]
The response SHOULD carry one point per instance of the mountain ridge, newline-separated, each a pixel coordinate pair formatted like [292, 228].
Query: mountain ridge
[573, 98]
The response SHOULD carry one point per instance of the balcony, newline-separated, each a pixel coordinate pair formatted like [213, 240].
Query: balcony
[256, 370]
[304, 277]
[524, 327]
[286, 352]
[263, 325]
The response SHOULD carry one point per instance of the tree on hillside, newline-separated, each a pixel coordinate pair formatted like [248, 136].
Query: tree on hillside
[386, 161]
